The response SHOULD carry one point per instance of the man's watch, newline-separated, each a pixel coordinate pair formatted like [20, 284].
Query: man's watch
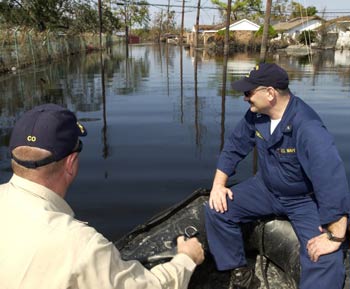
[333, 238]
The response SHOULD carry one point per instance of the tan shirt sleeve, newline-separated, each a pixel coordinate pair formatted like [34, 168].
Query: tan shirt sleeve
[101, 266]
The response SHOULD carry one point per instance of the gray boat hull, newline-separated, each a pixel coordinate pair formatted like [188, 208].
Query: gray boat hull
[271, 246]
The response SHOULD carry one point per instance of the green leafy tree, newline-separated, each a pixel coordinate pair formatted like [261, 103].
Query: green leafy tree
[307, 37]
[250, 9]
[162, 22]
[169, 22]
[279, 10]
[10, 14]
[220, 36]
[54, 15]
[39, 14]
[271, 34]
[110, 22]
[87, 19]
[133, 13]
[299, 10]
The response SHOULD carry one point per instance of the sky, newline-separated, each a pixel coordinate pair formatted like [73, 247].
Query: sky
[209, 15]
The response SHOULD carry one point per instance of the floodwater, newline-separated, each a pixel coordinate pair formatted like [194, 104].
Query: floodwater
[156, 121]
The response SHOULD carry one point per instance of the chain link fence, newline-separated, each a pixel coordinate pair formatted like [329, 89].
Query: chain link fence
[20, 48]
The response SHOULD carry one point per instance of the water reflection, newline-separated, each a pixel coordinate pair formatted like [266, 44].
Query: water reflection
[196, 102]
[157, 121]
[104, 113]
[181, 87]
[223, 101]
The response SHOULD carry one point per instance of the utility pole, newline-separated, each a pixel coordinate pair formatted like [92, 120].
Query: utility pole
[265, 31]
[168, 14]
[160, 25]
[197, 23]
[182, 21]
[126, 16]
[100, 21]
[227, 31]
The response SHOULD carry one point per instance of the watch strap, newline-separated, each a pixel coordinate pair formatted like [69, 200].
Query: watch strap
[333, 238]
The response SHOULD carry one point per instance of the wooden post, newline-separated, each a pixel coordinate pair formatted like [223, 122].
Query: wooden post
[161, 27]
[182, 21]
[126, 11]
[227, 31]
[168, 13]
[100, 21]
[197, 23]
[265, 31]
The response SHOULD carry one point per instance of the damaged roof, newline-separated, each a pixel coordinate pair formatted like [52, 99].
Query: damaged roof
[295, 22]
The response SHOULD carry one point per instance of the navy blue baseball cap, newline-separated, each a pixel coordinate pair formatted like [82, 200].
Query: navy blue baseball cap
[263, 74]
[50, 127]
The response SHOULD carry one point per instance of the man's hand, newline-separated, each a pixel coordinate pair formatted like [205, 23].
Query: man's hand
[321, 245]
[217, 199]
[192, 248]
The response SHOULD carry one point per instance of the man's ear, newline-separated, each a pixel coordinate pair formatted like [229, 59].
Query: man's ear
[70, 161]
[271, 94]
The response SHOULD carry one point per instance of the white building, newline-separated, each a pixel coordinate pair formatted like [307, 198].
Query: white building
[243, 25]
[240, 25]
[337, 33]
[294, 27]
[207, 31]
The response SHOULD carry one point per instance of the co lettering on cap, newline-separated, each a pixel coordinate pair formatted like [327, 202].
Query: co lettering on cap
[31, 138]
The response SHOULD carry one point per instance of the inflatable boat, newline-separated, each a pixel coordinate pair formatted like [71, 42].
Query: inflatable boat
[271, 246]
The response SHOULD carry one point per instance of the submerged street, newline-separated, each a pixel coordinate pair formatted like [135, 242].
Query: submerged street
[156, 121]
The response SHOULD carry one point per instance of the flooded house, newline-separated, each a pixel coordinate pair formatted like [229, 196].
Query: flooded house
[335, 33]
[243, 29]
[292, 28]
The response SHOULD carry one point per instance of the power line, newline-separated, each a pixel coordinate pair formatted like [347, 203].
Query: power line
[327, 14]
[215, 8]
[166, 5]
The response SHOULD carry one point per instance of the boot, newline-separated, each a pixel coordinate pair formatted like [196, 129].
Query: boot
[244, 278]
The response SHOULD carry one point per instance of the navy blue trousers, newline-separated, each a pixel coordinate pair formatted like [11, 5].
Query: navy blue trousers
[253, 200]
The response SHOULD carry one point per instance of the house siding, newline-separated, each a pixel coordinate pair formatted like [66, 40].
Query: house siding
[294, 31]
[343, 41]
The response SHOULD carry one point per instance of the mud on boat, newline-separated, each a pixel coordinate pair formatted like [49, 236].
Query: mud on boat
[271, 246]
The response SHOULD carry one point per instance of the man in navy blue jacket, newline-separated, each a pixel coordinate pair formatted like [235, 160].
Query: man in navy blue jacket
[300, 176]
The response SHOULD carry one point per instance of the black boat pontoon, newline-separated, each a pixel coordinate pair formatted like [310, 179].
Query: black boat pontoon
[271, 246]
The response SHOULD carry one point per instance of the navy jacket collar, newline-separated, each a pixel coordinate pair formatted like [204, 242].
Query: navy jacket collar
[286, 124]
[263, 122]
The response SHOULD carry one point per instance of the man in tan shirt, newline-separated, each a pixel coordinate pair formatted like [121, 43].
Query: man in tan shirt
[41, 244]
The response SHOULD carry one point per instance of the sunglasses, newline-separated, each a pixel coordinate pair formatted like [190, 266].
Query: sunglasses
[251, 92]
